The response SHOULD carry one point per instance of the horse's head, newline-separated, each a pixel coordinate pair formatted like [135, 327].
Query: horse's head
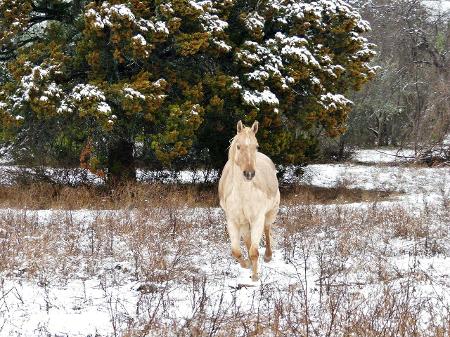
[244, 148]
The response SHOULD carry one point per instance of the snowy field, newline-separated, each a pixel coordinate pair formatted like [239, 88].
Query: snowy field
[378, 268]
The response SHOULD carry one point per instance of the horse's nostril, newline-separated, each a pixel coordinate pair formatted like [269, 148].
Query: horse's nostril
[249, 174]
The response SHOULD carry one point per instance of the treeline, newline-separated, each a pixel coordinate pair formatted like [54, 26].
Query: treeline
[408, 103]
[112, 85]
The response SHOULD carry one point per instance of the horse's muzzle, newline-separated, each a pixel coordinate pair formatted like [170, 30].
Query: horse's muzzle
[249, 174]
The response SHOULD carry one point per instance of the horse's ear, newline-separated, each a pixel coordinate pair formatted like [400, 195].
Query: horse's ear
[239, 126]
[255, 127]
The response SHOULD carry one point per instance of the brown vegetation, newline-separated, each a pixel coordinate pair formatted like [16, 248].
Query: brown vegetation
[347, 280]
[143, 195]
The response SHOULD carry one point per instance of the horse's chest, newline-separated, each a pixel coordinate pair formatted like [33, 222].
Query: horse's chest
[245, 204]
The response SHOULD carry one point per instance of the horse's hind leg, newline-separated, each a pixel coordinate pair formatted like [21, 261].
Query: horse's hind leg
[268, 252]
[269, 220]
[235, 238]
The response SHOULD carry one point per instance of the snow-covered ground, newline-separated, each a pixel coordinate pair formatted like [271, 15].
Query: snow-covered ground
[75, 176]
[165, 271]
[383, 156]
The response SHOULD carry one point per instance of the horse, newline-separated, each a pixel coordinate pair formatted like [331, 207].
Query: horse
[249, 196]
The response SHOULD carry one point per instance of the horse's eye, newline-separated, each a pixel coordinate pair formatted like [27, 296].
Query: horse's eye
[238, 147]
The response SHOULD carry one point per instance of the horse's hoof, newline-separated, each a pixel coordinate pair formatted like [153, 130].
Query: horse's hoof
[255, 277]
[267, 258]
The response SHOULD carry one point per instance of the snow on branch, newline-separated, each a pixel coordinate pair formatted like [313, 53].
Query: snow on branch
[256, 98]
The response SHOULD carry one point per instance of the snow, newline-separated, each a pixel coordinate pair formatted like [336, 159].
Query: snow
[384, 155]
[111, 15]
[140, 40]
[131, 93]
[235, 84]
[269, 62]
[196, 6]
[257, 75]
[212, 22]
[412, 180]
[195, 109]
[160, 82]
[87, 91]
[74, 176]
[35, 81]
[98, 22]
[255, 98]
[254, 21]
[161, 27]
[5, 157]
[119, 10]
[222, 45]
[144, 25]
[103, 298]
[64, 107]
[74, 308]
[301, 53]
[104, 107]
[334, 100]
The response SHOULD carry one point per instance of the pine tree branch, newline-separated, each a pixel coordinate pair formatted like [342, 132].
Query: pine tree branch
[11, 52]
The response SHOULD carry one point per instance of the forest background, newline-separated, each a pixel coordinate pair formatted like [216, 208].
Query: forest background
[114, 86]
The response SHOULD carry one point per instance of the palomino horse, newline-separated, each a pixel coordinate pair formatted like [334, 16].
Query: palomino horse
[249, 195]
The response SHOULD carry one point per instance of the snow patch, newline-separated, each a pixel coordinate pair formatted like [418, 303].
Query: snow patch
[131, 93]
[255, 98]
[139, 39]
[87, 91]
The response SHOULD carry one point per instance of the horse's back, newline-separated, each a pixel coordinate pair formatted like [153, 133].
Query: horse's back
[266, 175]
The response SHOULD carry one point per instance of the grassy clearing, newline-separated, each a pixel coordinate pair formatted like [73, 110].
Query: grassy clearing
[158, 259]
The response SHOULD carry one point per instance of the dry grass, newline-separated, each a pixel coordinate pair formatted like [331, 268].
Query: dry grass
[301, 194]
[143, 195]
[132, 195]
[347, 282]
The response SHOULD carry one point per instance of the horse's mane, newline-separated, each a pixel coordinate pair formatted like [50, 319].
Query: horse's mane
[231, 148]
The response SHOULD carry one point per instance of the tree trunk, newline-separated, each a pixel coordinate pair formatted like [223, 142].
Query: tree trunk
[121, 165]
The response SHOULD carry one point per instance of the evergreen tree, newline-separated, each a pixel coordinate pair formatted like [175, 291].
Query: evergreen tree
[289, 64]
[105, 73]
[91, 79]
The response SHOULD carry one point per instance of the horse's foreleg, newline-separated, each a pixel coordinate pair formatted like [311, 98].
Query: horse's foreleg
[248, 242]
[235, 238]
[256, 234]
